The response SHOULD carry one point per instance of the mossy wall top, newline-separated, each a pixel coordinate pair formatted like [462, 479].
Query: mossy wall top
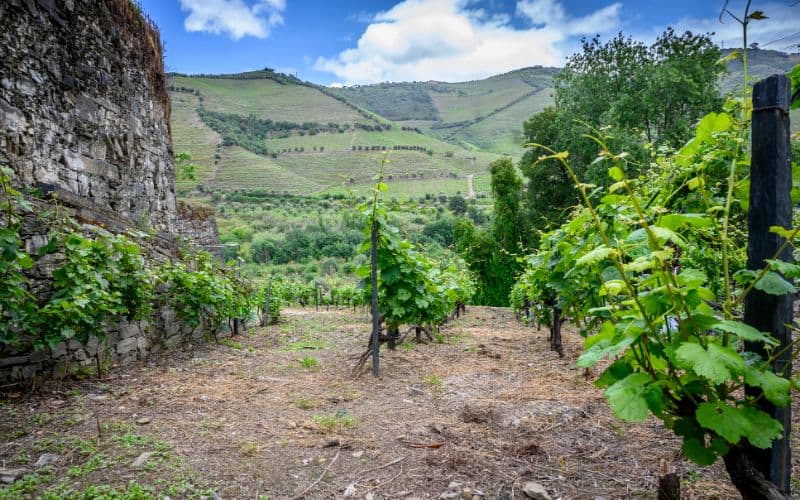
[83, 104]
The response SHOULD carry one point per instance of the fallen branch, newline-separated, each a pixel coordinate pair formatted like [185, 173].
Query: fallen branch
[395, 461]
[423, 445]
[310, 486]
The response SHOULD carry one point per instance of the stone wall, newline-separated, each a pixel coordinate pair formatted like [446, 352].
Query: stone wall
[84, 119]
[197, 224]
[81, 106]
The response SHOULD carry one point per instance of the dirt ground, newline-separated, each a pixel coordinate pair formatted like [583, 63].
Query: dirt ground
[267, 414]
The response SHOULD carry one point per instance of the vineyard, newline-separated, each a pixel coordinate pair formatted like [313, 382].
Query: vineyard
[610, 315]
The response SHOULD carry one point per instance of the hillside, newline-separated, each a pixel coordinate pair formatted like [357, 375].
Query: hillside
[268, 131]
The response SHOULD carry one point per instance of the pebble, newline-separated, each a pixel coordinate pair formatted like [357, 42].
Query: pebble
[8, 476]
[350, 491]
[143, 420]
[358, 454]
[47, 459]
[141, 460]
[535, 491]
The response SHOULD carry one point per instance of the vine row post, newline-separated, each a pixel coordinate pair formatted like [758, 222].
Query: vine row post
[376, 320]
[771, 205]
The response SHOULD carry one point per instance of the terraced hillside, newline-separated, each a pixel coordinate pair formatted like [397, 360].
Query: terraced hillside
[268, 131]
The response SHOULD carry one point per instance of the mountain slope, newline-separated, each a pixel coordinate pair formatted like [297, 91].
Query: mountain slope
[268, 131]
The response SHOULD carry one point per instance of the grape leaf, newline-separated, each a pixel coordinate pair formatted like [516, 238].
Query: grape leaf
[774, 284]
[596, 255]
[714, 364]
[744, 331]
[627, 397]
[776, 389]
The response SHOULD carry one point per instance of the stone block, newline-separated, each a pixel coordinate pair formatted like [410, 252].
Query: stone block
[13, 360]
[126, 346]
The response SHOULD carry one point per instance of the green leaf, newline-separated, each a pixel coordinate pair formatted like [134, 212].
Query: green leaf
[776, 389]
[757, 15]
[714, 364]
[675, 221]
[627, 397]
[664, 234]
[744, 331]
[695, 450]
[727, 421]
[774, 284]
[595, 256]
[616, 173]
[794, 77]
[734, 422]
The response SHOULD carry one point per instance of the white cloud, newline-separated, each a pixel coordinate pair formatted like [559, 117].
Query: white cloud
[235, 18]
[449, 40]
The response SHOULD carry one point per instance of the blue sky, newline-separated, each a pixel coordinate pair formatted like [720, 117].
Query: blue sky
[358, 41]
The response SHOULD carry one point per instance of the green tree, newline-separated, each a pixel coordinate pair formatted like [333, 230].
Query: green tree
[457, 204]
[653, 93]
[506, 189]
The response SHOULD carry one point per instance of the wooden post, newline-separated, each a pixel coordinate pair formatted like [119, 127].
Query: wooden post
[771, 205]
[376, 320]
[265, 319]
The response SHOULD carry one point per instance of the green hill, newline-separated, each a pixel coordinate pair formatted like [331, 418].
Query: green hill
[268, 131]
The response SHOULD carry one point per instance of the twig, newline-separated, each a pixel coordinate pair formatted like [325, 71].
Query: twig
[380, 485]
[395, 461]
[302, 493]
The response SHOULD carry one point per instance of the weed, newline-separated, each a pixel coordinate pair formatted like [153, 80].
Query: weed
[29, 483]
[305, 403]
[232, 344]
[116, 427]
[438, 338]
[408, 346]
[248, 449]
[329, 424]
[309, 362]
[436, 384]
[48, 443]
[91, 465]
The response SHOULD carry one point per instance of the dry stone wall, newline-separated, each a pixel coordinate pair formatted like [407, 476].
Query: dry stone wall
[78, 108]
[84, 118]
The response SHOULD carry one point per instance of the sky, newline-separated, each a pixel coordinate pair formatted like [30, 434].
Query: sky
[350, 42]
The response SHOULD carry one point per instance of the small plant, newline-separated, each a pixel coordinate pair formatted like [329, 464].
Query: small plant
[338, 422]
[231, 343]
[248, 449]
[309, 362]
[305, 403]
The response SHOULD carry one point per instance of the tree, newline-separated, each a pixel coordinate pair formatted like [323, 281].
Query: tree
[457, 205]
[506, 189]
[654, 92]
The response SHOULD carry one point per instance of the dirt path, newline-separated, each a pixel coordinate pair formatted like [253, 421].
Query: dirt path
[470, 190]
[267, 414]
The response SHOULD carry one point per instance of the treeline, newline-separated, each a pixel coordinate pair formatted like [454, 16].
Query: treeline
[249, 132]
[264, 74]
[396, 147]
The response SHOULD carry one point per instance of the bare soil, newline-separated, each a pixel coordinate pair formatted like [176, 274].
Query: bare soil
[476, 416]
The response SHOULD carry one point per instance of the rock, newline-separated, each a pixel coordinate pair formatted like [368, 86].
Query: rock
[143, 421]
[535, 491]
[47, 459]
[350, 491]
[369, 496]
[416, 391]
[450, 494]
[358, 454]
[142, 459]
[8, 476]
